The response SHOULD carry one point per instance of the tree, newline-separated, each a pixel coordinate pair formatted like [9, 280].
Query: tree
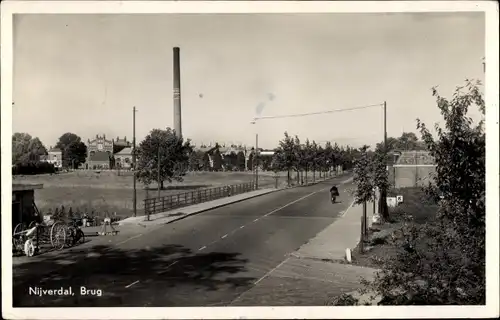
[74, 151]
[195, 160]
[217, 160]
[329, 156]
[240, 161]
[447, 262]
[205, 162]
[407, 142]
[306, 157]
[284, 157]
[381, 180]
[315, 159]
[25, 148]
[362, 178]
[250, 161]
[298, 158]
[162, 147]
[230, 161]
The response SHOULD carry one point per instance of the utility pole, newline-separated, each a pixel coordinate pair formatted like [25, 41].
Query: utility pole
[255, 161]
[159, 170]
[134, 162]
[383, 193]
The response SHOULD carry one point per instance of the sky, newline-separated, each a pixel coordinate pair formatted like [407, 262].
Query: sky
[84, 73]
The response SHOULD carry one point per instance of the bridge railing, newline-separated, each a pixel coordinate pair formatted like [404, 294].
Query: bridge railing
[179, 200]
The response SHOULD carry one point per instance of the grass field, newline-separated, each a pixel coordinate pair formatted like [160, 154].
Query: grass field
[106, 190]
[415, 205]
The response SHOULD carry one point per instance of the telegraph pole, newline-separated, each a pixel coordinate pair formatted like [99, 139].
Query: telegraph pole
[383, 193]
[134, 162]
[255, 161]
[159, 170]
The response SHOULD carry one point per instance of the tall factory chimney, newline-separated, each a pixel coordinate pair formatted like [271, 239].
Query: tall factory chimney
[177, 93]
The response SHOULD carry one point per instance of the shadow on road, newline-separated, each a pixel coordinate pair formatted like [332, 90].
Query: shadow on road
[170, 275]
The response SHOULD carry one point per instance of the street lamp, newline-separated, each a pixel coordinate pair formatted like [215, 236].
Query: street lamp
[255, 164]
[134, 110]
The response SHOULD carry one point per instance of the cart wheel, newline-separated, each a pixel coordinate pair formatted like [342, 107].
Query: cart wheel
[17, 242]
[58, 234]
[29, 248]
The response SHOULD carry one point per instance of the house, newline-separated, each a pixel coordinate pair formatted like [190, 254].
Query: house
[100, 145]
[226, 151]
[54, 156]
[24, 209]
[99, 160]
[123, 159]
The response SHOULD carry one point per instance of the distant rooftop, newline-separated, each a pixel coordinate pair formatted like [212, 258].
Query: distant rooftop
[100, 156]
[125, 151]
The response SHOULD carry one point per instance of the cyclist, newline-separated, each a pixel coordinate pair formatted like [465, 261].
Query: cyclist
[334, 193]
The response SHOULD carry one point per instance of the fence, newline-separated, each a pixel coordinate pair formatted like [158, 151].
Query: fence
[165, 203]
[411, 175]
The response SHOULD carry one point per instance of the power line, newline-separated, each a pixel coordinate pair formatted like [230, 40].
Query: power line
[319, 112]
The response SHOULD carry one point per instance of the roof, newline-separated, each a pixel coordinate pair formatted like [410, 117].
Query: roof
[125, 152]
[55, 150]
[100, 156]
[25, 186]
[266, 153]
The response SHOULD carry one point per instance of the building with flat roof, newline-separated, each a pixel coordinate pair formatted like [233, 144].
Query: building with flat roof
[24, 209]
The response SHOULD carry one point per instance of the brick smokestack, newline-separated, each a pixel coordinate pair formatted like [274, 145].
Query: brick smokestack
[177, 93]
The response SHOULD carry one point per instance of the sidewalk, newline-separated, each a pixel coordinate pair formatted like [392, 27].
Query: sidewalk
[181, 213]
[331, 243]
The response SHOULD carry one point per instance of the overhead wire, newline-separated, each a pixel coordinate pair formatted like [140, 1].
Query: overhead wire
[318, 112]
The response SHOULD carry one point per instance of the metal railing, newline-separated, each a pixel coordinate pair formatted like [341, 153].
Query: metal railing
[179, 200]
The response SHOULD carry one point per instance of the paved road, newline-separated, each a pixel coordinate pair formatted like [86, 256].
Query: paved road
[209, 259]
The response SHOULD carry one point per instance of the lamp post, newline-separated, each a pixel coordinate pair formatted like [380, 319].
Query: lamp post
[256, 156]
[134, 161]
[158, 170]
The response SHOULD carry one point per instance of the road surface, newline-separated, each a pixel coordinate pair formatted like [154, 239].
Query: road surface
[209, 259]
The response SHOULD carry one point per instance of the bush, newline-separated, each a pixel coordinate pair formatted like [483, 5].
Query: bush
[345, 300]
[32, 168]
[443, 262]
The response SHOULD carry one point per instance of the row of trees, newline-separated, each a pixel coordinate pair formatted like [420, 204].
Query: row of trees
[306, 159]
[200, 161]
[309, 157]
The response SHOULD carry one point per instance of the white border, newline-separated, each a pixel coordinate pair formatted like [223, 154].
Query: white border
[492, 98]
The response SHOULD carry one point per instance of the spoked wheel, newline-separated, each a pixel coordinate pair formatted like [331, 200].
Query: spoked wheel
[17, 242]
[58, 234]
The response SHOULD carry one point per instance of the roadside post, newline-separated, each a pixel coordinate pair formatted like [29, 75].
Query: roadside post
[364, 221]
[361, 238]
[146, 203]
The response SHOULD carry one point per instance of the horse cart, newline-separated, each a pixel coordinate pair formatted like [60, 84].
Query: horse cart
[29, 240]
